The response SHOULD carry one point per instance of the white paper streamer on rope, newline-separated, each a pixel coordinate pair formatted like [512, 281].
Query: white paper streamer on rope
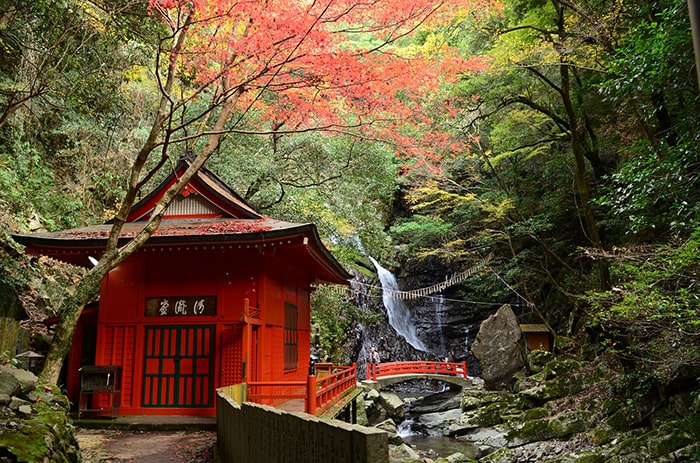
[439, 287]
[426, 292]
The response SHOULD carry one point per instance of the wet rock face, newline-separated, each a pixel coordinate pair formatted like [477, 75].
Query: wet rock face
[445, 325]
[498, 350]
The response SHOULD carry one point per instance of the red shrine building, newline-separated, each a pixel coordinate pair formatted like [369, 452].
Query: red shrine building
[219, 295]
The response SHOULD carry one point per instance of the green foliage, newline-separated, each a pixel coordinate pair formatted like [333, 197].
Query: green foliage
[655, 191]
[334, 312]
[65, 112]
[341, 184]
[651, 314]
[421, 230]
[30, 190]
[653, 58]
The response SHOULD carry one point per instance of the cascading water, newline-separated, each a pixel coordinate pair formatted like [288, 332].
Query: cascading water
[439, 310]
[399, 315]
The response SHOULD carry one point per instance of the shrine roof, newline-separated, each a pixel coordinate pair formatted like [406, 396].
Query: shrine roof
[206, 211]
[223, 201]
[75, 245]
[186, 229]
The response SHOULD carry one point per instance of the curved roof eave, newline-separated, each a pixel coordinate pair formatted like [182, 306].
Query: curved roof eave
[52, 243]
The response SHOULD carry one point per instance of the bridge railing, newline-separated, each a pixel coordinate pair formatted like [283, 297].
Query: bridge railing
[379, 370]
[318, 394]
[331, 388]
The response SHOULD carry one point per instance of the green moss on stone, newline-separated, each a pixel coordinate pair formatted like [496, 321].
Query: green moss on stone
[489, 415]
[534, 413]
[531, 431]
[46, 435]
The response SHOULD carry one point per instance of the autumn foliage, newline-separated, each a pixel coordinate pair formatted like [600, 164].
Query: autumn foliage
[307, 65]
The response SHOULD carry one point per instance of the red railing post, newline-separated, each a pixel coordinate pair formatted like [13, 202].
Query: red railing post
[311, 395]
[464, 368]
[368, 375]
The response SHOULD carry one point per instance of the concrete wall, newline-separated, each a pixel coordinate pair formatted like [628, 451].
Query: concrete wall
[253, 433]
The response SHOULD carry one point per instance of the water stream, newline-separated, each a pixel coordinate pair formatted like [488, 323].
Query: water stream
[439, 310]
[399, 315]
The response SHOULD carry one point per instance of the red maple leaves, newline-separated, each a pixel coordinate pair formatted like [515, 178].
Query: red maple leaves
[179, 228]
[329, 64]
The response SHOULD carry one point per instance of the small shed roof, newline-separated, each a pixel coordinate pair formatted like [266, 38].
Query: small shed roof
[534, 328]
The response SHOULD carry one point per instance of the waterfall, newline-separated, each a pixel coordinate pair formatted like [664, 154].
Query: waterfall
[364, 345]
[439, 309]
[399, 315]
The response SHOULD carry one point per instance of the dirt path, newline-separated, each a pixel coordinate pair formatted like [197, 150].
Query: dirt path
[112, 446]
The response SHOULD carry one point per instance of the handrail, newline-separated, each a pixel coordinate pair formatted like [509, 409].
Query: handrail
[273, 392]
[332, 387]
[319, 394]
[380, 370]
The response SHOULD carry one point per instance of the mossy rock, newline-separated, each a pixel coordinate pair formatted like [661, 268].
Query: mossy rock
[490, 415]
[476, 398]
[632, 414]
[46, 435]
[674, 435]
[556, 427]
[502, 455]
[558, 368]
[634, 443]
[538, 359]
[660, 445]
[559, 378]
[590, 456]
[603, 434]
[535, 413]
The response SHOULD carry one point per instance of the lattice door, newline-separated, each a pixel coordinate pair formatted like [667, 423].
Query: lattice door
[179, 366]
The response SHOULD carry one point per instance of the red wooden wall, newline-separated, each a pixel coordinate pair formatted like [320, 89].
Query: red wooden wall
[176, 362]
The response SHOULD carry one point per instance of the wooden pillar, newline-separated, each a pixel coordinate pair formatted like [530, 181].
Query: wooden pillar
[248, 342]
[310, 395]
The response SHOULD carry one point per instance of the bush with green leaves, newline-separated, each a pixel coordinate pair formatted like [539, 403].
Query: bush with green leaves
[651, 316]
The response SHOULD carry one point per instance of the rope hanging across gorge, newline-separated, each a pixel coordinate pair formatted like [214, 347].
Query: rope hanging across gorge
[439, 287]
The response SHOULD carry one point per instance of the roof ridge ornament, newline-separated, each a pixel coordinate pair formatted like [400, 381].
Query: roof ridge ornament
[188, 155]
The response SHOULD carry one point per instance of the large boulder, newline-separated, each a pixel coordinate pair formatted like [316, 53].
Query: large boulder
[17, 377]
[498, 350]
[393, 405]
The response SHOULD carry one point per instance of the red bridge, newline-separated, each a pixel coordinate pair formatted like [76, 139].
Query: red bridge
[395, 372]
[333, 387]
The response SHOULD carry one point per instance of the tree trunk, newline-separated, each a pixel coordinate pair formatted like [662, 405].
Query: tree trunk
[580, 159]
[86, 291]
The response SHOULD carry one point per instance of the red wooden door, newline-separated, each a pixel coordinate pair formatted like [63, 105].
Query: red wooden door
[232, 356]
[178, 366]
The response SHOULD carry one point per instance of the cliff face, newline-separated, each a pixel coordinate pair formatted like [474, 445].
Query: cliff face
[445, 323]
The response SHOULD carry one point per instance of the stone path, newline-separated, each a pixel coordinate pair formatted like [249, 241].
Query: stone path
[118, 446]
